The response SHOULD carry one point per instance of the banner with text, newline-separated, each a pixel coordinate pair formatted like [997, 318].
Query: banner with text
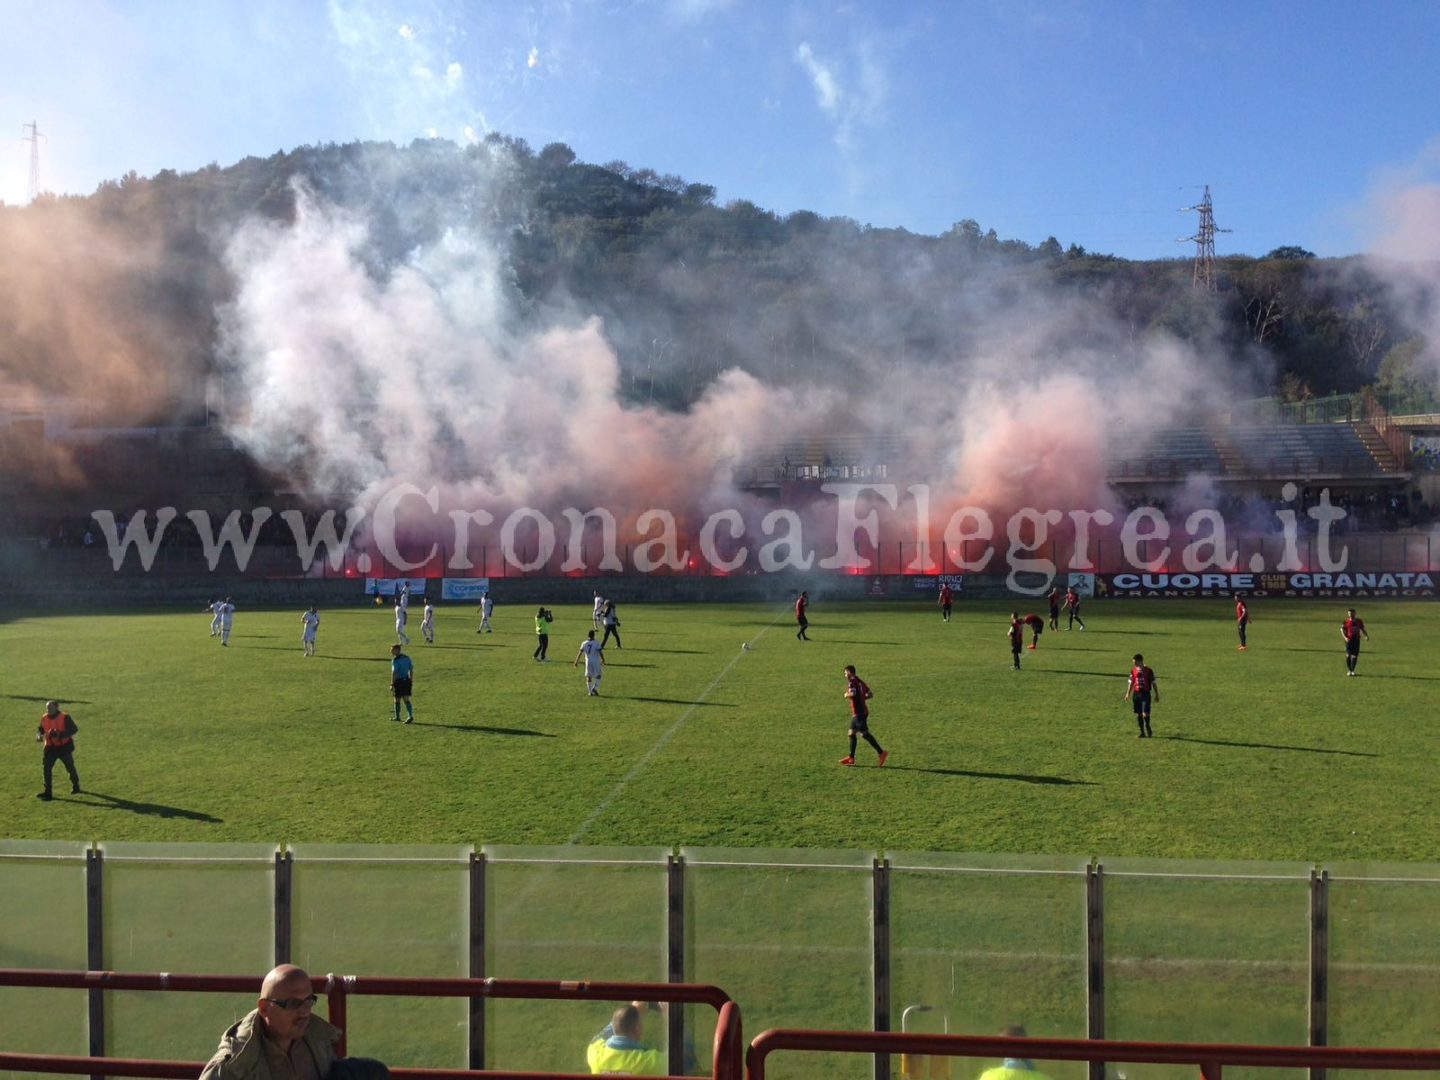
[464, 588]
[1297, 583]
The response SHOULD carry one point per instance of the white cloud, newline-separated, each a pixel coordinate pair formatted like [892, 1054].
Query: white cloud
[454, 75]
[850, 90]
[406, 31]
[827, 87]
[533, 60]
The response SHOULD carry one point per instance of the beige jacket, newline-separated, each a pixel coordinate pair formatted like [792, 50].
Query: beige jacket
[241, 1056]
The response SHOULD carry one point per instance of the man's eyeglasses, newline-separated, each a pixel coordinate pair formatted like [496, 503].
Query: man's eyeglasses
[291, 1004]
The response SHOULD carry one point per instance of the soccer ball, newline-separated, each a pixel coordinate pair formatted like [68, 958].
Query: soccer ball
[744, 646]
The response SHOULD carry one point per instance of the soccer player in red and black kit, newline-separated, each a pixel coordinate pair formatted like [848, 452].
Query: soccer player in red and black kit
[1242, 620]
[1072, 605]
[1037, 627]
[947, 598]
[1053, 596]
[858, 694]
[800, 606]
[1139, 691]
[1351, 630]
[1017, 637]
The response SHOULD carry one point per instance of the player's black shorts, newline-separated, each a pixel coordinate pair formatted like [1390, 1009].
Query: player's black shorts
[400, 687]
[802, 620]
[860, 724]
[1352, 648]
[1141, 703]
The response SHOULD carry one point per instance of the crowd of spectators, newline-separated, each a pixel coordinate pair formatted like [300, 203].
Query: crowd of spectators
[1366, 509]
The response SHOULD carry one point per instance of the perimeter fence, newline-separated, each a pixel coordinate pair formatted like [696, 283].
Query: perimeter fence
[1287, 954]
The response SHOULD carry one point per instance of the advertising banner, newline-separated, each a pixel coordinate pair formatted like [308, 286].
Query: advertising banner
[464, 588]
[1294, 583]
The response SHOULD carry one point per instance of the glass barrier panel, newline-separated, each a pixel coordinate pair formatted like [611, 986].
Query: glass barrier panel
[570, 913]
[1198, 952]
[185, 908]
[42, 925]
[984, 943]
[395, 911]
[788, 934]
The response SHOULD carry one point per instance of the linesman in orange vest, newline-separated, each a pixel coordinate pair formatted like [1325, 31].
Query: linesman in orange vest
[57, 733]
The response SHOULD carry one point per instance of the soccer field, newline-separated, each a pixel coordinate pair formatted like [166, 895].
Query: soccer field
[1268, 754]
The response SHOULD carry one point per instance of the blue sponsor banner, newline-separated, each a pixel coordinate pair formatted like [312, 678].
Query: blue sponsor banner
[464, 588]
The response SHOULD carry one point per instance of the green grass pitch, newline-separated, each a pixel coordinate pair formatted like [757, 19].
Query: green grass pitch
[1268, 754]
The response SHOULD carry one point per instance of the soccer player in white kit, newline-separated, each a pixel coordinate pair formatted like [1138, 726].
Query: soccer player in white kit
[405, 596]
[597, 615]
[427, 623]
[487, 608]
[594, 663]
[401, 618]
[311, 620]
[214, 608]
[227, 619]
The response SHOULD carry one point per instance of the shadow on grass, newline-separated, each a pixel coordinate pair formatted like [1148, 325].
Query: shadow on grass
[1023, 778]
[113, 802]
[1366, 675]
[1118, 676]
[616, 663]
[359, 659]
[42, 700]
[679, 701]
[1124, 633]
[676, 652]
[1268, 746]
[852, 641]
[481, 729]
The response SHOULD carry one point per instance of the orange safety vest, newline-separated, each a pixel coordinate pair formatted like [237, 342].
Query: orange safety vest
[53, 728]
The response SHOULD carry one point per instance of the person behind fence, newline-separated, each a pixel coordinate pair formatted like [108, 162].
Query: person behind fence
[57, 733]
[281, 1038]
[1014, 1068]
[619, 1047]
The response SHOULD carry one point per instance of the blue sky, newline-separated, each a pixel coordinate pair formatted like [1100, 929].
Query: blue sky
[1093, 122]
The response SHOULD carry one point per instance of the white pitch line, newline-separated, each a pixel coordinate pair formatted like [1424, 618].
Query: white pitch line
[624, 781]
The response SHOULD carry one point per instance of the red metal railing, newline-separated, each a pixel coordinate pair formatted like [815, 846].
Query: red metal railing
[728, 1061]
[1209, 1058]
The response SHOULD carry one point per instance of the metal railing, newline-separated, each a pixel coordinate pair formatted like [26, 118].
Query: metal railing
[338, 989]
[1209, 1058]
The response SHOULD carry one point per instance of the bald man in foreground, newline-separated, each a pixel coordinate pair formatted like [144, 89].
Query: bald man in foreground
[280, 1039]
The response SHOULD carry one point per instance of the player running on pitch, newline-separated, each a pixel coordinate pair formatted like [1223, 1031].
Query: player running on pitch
[800, 618]
[402, 616]
[858, 695]
[1351, 630]
[311, 621]
[1138, 692]
[594, 656]
[947, 601]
